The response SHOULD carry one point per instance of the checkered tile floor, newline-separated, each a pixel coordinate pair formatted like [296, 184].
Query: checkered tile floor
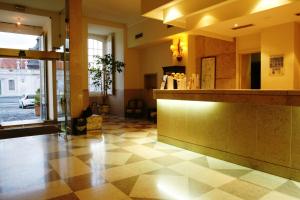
[126, 162]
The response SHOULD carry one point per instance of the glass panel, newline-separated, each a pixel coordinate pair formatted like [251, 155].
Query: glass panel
[20, 41]
[21, 83]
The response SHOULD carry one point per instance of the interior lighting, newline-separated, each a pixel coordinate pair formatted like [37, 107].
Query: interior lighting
[171, 15]
[18, 22]
[177, 49]
[268, 4]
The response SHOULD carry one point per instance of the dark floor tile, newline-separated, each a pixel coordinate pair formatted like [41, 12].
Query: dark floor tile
[126, 185]
[84, 181]
[70, 196]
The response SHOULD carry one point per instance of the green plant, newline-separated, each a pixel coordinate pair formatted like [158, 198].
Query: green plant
[37, 97]
[103, 71]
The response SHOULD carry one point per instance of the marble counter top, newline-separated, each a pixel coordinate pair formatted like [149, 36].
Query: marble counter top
[269, 97]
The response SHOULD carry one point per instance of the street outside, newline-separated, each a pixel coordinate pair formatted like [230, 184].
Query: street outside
[10, 111]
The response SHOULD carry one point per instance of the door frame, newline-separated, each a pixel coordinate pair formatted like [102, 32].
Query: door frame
[40, 55]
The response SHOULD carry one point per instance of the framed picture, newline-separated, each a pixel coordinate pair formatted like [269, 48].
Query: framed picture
[277, 65]
[208, 72]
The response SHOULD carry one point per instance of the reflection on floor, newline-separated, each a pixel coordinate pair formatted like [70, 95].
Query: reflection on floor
[126, 163]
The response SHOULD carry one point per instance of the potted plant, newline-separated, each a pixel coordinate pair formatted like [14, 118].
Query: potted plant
[37, 102]
[102, 73]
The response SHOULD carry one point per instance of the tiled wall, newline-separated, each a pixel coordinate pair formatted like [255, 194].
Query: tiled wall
[259, 132]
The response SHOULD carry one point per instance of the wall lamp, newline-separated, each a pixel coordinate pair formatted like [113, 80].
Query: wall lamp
[177, 49]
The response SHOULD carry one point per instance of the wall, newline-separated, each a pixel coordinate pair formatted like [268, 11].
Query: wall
[152, 59]
[297, 56]
[117, 100]
[272, 43]
[245, 45]
[153, 31]
[225, 57]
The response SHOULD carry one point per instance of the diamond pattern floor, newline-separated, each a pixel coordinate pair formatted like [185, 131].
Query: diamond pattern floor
[126, 162]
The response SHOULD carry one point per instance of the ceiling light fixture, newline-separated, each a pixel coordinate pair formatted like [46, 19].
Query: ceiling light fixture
[18, 22]
[235, 25]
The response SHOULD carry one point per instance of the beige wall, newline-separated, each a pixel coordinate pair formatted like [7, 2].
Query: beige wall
[153, 30]
[297, 56]
[273, 44]
[225, 57]
[153, 58]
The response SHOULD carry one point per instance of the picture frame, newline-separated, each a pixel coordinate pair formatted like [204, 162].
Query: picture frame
[277, 65]
[208, 72]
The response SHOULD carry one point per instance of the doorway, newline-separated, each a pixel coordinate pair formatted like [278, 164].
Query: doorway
[250, 71]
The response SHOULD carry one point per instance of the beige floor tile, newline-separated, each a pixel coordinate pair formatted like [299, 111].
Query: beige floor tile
[109, 138]
[105, 192]
[144, 140]
[167, 160]
[110, 158]
[161, 187]
[214, 163]
[135, 134]
[134, 169]
[291, 188]
[69, 167]
[217, 194]
[144, 151]
[277, 196]
[94, 148]
[187, 155]
[40, 192]
[263, 179]
[245, 190]
[202, 174]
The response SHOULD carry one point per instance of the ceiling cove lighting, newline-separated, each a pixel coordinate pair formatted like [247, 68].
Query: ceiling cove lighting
[172, 14]
[268, 4]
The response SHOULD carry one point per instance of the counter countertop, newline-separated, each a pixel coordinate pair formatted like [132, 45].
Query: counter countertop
[270, 97]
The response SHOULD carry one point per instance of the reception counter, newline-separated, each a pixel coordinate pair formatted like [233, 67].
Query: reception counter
[255, 128]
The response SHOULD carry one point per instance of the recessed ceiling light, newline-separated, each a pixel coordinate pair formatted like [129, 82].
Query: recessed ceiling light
[235, 25]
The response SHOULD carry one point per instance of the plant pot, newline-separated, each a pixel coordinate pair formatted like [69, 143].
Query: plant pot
[105, 109]
[37, 109]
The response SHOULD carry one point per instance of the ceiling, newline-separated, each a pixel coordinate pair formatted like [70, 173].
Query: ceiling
[13, 17]
[260, 20]
[122, 11]
[101, 30]
[51, 5]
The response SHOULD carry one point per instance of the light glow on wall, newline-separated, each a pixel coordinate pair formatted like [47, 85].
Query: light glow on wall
[172, 14]
[206, 20]
[268, 4]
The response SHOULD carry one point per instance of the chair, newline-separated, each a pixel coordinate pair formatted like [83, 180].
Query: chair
[135, 108]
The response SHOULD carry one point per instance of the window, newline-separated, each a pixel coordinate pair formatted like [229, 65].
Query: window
[11, 85]
[95, 47]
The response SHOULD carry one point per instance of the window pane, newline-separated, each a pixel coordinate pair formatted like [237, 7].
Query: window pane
[11, 85]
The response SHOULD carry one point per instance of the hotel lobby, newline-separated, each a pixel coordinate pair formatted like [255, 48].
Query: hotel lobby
[202, 101]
